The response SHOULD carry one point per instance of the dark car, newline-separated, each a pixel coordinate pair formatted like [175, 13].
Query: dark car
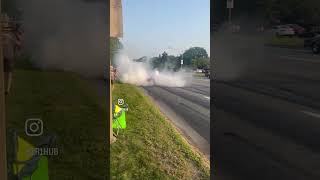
[206, 72]
[313, 43]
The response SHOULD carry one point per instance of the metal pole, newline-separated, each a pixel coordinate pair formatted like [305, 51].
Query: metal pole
[181, 56]
[181, 61]
[230, 13]
[3, 149]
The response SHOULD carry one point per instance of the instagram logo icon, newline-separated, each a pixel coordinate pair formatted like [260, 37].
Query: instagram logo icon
[34, 127]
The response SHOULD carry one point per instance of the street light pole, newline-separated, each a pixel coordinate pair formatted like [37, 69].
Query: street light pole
[181, 61]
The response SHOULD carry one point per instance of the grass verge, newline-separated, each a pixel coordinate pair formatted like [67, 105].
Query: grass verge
[69, 109]
[294, 42]
[150, 148]
[199, 75]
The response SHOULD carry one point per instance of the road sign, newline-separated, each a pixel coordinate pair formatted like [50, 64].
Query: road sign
[230, 4]
[181, 61]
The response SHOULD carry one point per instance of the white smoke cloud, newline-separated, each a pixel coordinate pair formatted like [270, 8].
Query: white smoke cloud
[141, 74]
[66, 34]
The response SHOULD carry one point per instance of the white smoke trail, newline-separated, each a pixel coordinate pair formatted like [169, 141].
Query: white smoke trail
[141, 74]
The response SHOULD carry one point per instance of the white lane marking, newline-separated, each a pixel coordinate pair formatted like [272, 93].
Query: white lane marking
[206, 97]
[300, 59]
[312, 114]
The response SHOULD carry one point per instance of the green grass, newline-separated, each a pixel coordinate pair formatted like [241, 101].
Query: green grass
[286, 41]
[150, 148]
[68, 109]
[199, 75]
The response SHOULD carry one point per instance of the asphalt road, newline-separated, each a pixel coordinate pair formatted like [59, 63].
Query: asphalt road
[188, 108]
[266, 117]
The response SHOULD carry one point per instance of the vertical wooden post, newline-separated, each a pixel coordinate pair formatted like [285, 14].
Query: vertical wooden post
[110, 120]
[116, 30]
[116, 20]
[3, 149]
[110, 88]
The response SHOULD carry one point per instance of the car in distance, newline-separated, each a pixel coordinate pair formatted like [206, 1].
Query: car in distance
[313, 43]
[283, 30]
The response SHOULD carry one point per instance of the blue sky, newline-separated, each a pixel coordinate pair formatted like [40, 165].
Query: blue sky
[154, 26]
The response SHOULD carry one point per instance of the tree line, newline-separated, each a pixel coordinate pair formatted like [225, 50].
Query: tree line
[193, 58]
[285, 11]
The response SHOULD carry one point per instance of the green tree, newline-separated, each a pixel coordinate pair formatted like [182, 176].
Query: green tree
[173, 63]
[287, 11]
[201, 63]
[155, 62]
[159, 62]
[193, 53]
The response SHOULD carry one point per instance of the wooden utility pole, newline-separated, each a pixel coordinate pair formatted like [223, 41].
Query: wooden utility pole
[3, 149]
[116, 20]
[116, 30]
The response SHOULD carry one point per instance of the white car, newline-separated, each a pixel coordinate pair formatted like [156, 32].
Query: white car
[198, 70]
[283, 30]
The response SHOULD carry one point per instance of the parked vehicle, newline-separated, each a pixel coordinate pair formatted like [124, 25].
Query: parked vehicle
[206, 72]
[283, 30]
[198, 70]
[313, 43]
[298, 30]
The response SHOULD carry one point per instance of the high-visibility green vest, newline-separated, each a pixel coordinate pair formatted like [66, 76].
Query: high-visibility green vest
[119, 118]
[24, 153]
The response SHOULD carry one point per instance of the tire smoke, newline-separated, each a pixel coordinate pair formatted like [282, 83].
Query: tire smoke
[142, 74]
[66, 35]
